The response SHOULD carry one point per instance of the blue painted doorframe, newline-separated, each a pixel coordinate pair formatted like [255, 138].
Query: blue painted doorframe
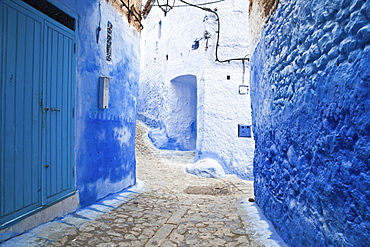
[37, 74]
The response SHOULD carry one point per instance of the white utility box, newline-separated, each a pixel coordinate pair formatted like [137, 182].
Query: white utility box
[104, 92]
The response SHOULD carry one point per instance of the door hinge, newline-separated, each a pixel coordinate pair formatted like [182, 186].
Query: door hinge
[74, 48]
[73, 112]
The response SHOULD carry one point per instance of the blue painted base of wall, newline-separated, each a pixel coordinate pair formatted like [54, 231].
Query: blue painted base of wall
[150, 122]
[160, 139]
[227, 167]
[311, 103]
[111, 163]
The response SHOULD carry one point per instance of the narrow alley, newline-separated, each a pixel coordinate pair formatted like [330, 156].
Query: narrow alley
[185, 123]
[168, 208]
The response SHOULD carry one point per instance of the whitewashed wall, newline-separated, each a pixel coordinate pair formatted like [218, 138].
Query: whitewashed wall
[220, 107]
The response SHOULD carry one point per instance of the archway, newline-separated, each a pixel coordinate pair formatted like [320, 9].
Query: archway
[182, 118]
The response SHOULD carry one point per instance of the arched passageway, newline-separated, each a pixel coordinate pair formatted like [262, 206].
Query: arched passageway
[178, 128]
[183, 110]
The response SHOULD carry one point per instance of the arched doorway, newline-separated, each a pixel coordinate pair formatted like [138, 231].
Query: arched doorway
[182, 118]
[178, 131]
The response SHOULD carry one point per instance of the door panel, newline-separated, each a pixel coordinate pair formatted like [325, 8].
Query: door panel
[59, 98]
[20, 134]
[37, 71]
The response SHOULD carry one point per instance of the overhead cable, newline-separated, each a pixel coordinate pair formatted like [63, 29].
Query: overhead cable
[218, 33]
[175, 6]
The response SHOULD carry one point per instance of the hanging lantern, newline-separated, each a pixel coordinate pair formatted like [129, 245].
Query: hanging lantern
[166, 5]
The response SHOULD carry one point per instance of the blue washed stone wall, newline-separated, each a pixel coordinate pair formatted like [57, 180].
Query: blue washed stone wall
[105, 139]
[311, 112]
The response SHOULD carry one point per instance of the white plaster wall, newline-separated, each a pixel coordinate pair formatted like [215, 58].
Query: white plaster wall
[220, 106]
[178, 33]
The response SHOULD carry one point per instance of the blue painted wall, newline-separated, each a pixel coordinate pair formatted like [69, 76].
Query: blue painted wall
[311, 113]
[105, 139]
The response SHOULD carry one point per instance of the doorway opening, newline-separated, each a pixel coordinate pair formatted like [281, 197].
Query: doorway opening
[182, 117]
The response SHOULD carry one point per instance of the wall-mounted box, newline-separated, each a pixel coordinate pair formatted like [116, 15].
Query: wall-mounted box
[104, 92]
[244, 130]
[243, 89]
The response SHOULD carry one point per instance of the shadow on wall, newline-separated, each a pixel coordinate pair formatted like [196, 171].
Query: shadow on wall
[179, 128]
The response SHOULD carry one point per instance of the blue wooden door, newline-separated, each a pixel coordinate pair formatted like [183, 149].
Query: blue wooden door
[36, 120]
[58, 103]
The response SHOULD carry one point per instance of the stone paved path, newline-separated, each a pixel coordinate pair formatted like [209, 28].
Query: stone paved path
[173, 209]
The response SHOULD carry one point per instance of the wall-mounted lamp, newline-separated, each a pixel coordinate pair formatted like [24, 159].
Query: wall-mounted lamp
[166, 5]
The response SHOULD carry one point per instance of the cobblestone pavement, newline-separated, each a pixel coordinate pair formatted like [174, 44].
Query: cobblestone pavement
[173, 209]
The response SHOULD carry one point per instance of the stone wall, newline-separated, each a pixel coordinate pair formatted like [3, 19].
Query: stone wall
[105, 138]
[311, 101]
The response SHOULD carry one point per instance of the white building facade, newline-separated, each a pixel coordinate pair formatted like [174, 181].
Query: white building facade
[192, 101]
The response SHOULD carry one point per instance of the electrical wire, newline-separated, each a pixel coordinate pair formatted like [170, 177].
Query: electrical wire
[245, 58]
[132, 11]
[98, 29]
[175, 6]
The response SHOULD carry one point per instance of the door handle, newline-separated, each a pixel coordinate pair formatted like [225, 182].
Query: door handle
[55, 109]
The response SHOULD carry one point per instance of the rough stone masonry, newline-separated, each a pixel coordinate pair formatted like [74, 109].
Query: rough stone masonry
[311, 102]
